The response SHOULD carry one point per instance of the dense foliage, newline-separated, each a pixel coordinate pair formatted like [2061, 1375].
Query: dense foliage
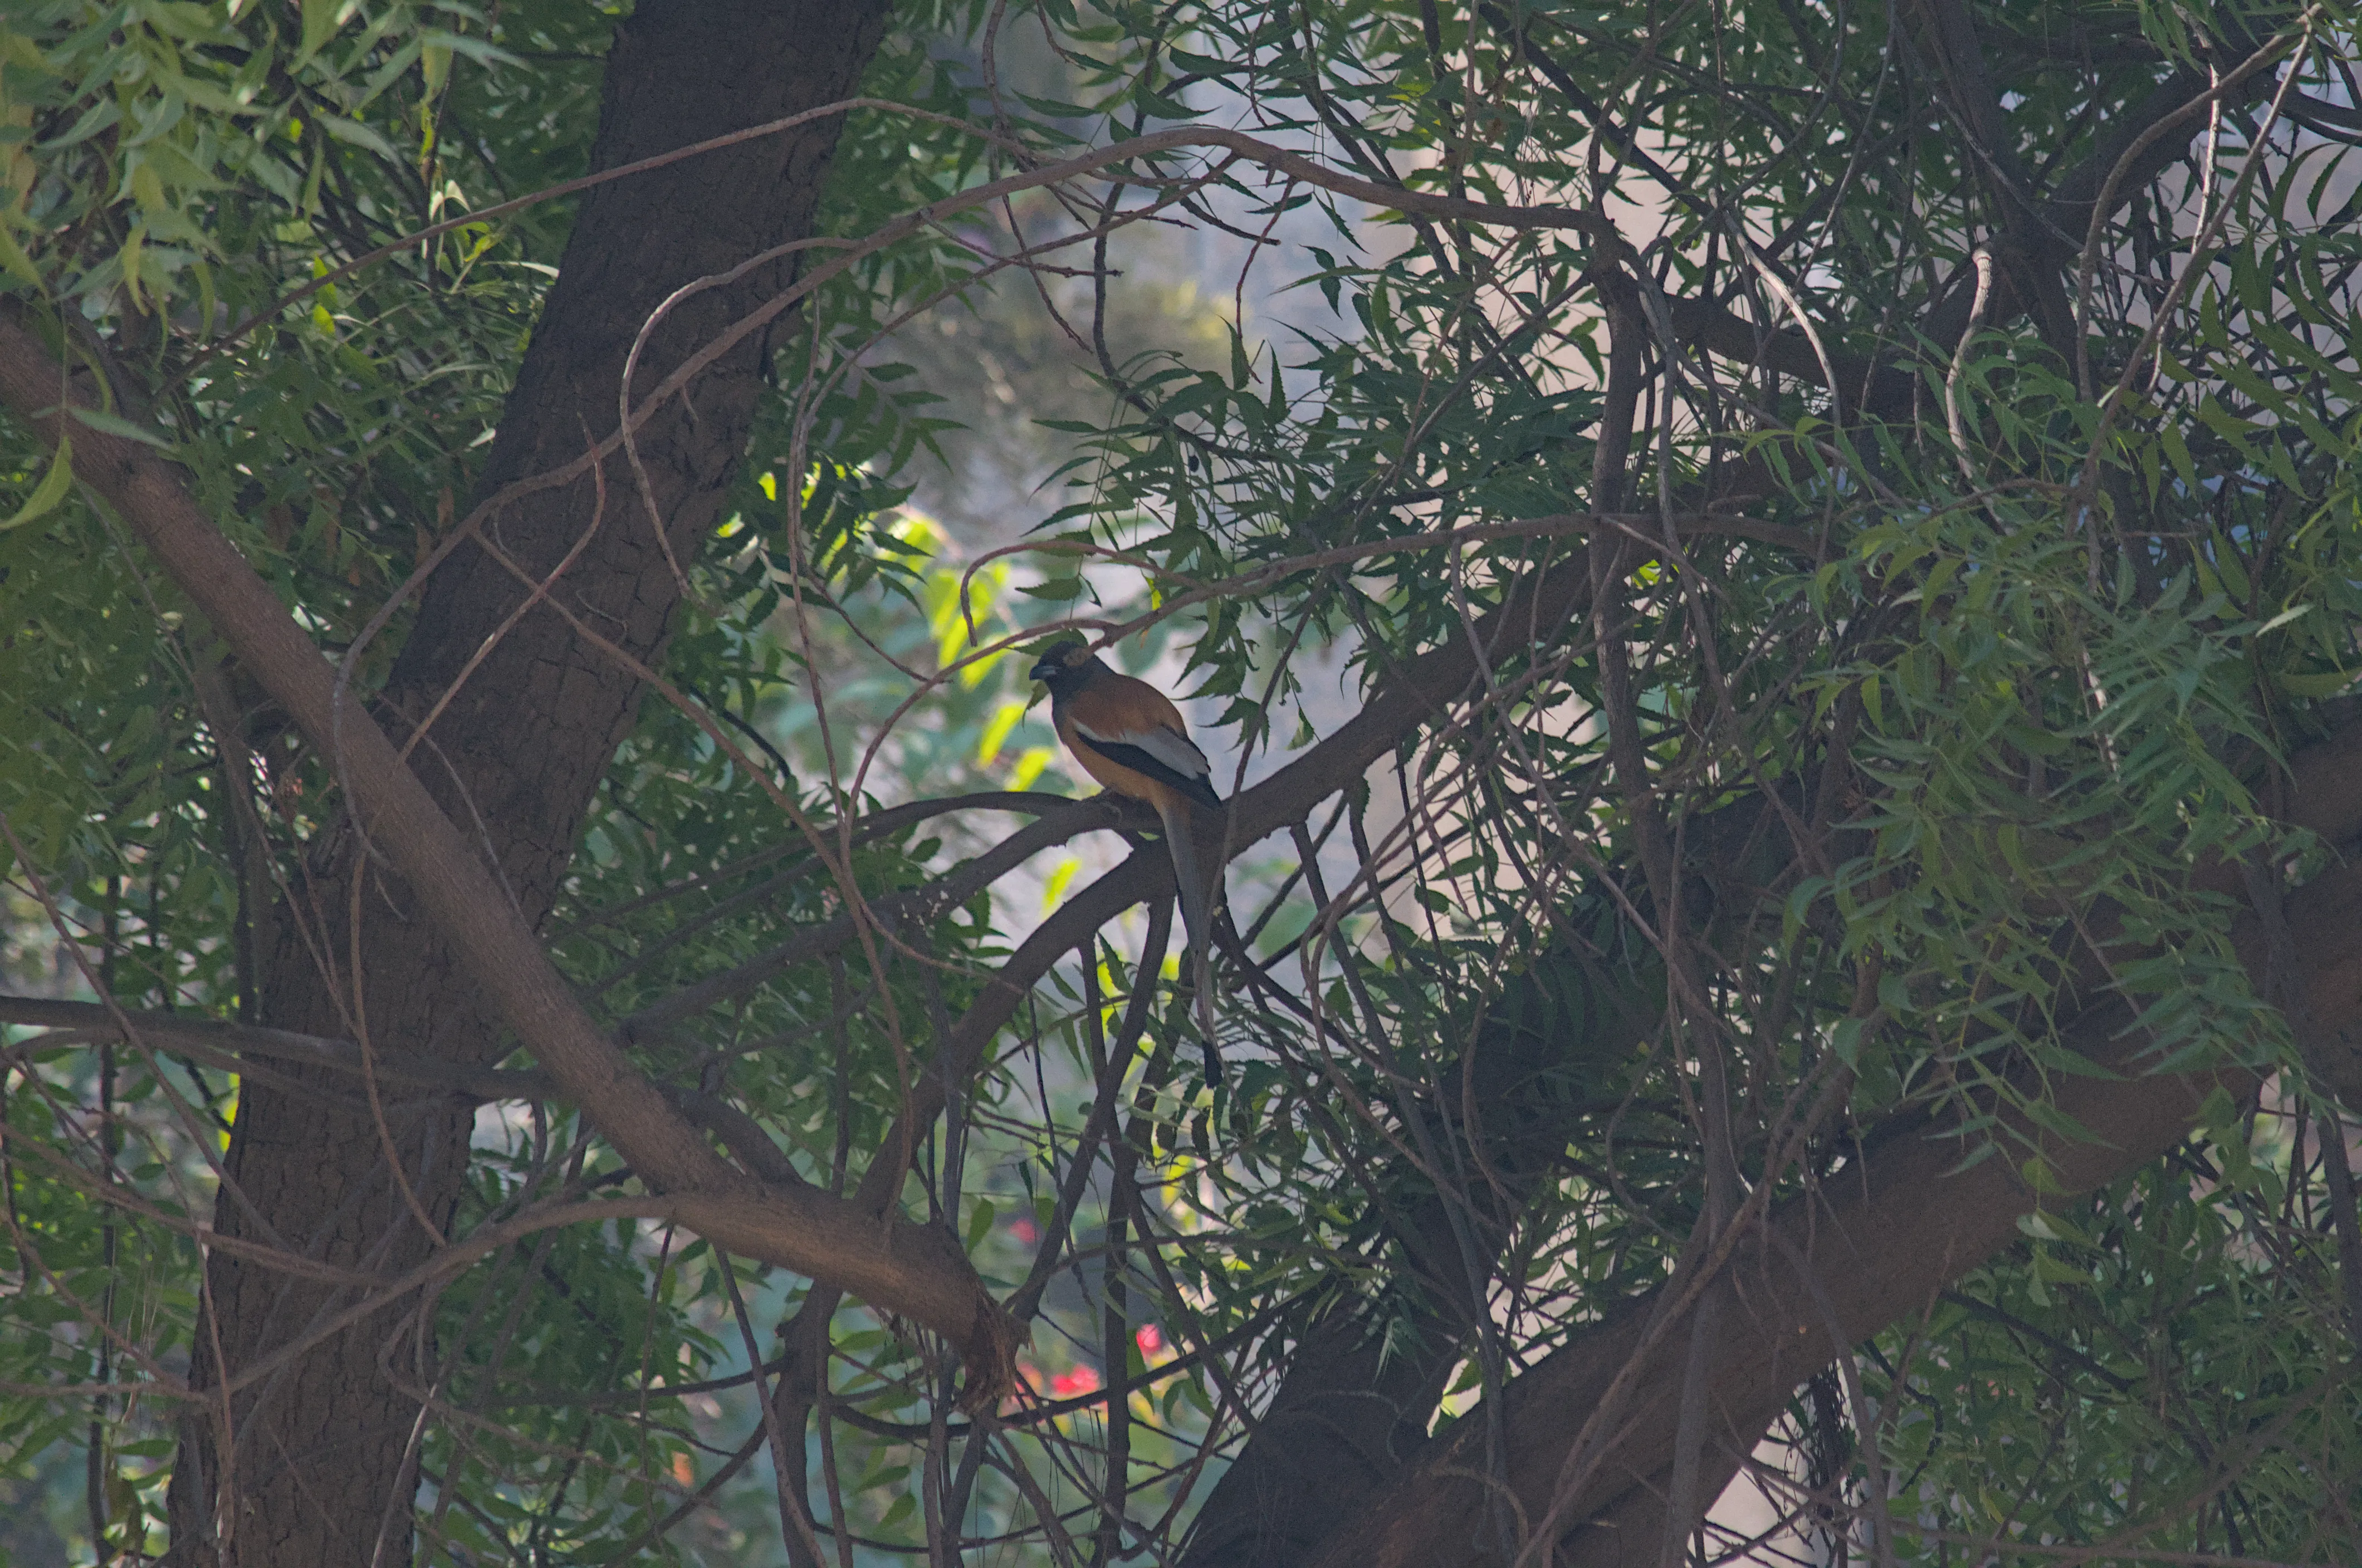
[1887, 476]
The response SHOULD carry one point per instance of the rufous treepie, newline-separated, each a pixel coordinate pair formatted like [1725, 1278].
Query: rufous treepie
[1130, 736]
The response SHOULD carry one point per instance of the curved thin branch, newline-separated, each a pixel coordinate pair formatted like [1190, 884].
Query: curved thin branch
[917, 1271]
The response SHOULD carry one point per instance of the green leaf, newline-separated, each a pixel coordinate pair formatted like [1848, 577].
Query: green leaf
[2312, 685]
[50, 490]
[15, 262]
[352, 133]
[320, 19]
[115, 424]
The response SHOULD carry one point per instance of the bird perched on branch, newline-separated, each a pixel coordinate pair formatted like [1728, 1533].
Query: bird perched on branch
[1130, 736]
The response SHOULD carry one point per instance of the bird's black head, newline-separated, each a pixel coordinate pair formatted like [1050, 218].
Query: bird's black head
[1060, 660]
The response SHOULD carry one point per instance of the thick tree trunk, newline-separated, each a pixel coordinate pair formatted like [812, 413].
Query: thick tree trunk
[1365, 1376]
[314, 1463]
[1831, 1270]
[1313, 1485]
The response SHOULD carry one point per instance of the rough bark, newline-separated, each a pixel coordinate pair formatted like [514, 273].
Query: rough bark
[320, 1462]
[1335, 1473]
[1869, 1250]
[1350, 1412]
[319, 1473]
[1835, 1267]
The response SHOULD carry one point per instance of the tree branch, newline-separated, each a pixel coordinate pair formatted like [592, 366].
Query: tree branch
[917, 1271]
[1878, 1244]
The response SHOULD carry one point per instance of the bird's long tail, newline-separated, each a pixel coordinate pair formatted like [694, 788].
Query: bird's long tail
[1195, 836]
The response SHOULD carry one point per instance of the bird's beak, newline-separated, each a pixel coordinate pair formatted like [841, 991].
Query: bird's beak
[1043, 670]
